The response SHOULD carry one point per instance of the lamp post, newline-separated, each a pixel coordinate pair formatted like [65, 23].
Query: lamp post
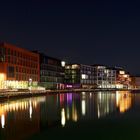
[30, 84]
[63, 63]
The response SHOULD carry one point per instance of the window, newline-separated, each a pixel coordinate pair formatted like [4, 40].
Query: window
[15, 53]
[16, 69]
[11, 52]
[8, 51]
[10, 72]
[8, 59]
[16, 76]
[2, 54]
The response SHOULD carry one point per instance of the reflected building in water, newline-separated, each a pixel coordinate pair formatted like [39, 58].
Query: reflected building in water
[123, 101]
[96, 105]
[102, 104]
[69, 104]
[49, 112]
[20, 119]
[86, 106]
[22, 116]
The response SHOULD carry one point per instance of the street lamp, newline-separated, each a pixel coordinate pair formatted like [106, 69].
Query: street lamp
[30, 84]
[63, 63]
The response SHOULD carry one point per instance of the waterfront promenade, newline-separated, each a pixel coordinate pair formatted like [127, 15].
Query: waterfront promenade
[30, 93]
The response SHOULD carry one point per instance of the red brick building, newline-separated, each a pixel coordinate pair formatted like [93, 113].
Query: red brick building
[18, 67]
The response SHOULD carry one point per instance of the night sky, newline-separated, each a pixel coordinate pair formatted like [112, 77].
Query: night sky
[103, 32]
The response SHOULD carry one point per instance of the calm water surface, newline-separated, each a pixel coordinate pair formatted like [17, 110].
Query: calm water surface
[101, 115]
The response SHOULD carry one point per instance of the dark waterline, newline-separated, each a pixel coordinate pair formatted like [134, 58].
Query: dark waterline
[102, 115]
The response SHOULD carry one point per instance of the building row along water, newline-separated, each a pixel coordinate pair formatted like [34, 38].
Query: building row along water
[23, 69]
[96, 76]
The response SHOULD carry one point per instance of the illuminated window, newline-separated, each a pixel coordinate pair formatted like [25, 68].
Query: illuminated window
[122, 72]
[67, 67]
[125, 76]
[1, 77]
[84, 76]
[74, 66]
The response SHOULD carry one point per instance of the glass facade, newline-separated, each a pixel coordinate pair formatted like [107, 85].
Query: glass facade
[104, 77]
[51, 72]
[90, 76]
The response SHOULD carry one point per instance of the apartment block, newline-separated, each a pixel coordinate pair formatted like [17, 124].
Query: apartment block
[19, 68]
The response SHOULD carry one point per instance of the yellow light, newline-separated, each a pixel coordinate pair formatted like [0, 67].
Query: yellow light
[98, 111]
[2, 77]
[30, 110]
[123, 101]
[90, 95]
[125, 76]
[75, 66]
[17, 105]
[22, 105]
[119, 86]
[122, 72]
[117, 98]
[63, 119]
[2, 120]
[67, 67]
[74, 113]
[83, 107]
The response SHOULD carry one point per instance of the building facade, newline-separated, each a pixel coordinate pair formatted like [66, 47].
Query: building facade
[19, 68]
[72, 76]
[86, 76]
[123, 79]
[51, 72]
[104, 77]
[79, 76]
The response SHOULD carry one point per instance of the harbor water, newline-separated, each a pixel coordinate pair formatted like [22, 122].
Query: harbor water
[83, 115]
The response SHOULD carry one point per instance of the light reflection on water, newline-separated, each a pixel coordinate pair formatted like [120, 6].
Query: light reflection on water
[25, 117]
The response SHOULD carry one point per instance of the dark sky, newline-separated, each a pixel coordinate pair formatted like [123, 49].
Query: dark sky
[104, 32]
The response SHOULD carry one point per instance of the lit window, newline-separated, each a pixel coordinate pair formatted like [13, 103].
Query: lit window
[84, 76]
[125, 76]
[122, 72]
[74, 66]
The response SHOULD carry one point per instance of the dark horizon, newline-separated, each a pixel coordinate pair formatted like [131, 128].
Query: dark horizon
[104, 32]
